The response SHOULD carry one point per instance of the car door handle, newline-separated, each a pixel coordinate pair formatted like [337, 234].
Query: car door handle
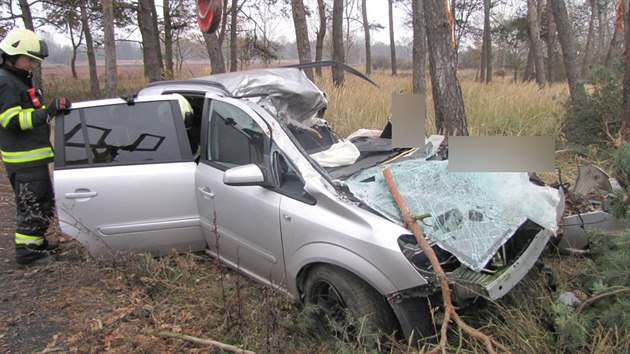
[206, 192]
[81, 194]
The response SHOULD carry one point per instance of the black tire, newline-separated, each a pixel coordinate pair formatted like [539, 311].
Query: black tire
[335, 291]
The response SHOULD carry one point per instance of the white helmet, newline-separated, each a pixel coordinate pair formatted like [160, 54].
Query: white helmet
[21, 41]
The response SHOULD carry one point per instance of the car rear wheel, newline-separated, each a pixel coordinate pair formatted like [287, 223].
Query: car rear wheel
[336, 292]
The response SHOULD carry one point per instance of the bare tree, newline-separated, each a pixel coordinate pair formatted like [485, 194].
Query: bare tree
[168, 40]
[534, 31]
[392, 43]
[337, 35]
[419, 82]
[111, 74]
[486, 47]
[89, 43]
[551, 42]
[233, 38]
[301, 34]
[366, 32]
[587, 59]
[217, 64]
[569, 52]
[150, 41]
[321, 34]
[448, 101]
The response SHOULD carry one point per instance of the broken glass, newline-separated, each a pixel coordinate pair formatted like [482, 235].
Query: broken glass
[472, 214]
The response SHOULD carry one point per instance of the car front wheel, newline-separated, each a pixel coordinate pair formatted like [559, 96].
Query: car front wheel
[337, 292]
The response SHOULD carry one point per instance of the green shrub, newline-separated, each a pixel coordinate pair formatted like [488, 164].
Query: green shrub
[597, 118]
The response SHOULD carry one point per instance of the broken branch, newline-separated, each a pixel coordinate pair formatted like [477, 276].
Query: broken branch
[196, 340]
[439, 272]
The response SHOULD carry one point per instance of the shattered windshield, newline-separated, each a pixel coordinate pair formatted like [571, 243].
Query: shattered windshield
[472, 214]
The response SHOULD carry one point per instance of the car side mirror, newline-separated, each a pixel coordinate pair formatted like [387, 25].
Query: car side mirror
[246, 175]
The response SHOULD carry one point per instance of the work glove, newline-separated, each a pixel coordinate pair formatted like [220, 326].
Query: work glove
[60, 104]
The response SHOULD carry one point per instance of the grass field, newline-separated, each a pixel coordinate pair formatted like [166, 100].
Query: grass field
[191, 294]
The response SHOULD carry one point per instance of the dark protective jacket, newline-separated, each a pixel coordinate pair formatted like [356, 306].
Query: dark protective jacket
[24, 130]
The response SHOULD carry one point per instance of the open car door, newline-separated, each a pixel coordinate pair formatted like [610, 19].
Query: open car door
[125, 177]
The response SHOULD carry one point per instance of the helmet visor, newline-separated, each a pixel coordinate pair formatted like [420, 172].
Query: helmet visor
[43, 51]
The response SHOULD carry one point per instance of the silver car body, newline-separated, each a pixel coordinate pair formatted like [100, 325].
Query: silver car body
[238, 213]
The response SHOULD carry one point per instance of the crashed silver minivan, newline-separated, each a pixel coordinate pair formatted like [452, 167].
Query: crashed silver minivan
[255, 177]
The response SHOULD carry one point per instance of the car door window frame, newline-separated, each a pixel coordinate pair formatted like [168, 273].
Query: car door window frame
[183, 152]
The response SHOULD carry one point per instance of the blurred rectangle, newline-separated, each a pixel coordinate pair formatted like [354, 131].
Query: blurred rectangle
[408, 116]
[501, 153]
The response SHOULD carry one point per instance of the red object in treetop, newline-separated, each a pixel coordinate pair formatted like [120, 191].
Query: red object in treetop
[209, 14]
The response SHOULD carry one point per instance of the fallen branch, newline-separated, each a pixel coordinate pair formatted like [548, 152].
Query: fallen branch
[449, 312]
[610, 292]
[196, 340]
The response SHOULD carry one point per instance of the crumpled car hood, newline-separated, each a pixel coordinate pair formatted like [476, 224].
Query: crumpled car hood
[472, 214]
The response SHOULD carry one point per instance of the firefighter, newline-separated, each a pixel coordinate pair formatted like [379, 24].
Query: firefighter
[25, 143]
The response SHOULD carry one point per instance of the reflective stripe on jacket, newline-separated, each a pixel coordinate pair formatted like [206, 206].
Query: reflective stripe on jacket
[24, 130]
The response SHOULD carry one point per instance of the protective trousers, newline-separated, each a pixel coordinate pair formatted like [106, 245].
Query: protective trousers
[34, 200]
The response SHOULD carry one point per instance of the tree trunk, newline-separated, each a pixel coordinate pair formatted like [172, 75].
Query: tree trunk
[217, 64]
[551, 43]
[111, 74]
[168, 41]
[612, 48]
[321, 34]
[392, 42]
[233, 38]
[89, 43]
[419, 83]
[569, 53]
[528, 72]
[487, 41]
[337, 36]
[301, 35]
[534, 32]
[366, 32]
[156, 38]
[152, 65]
[448, 102]
[588, 48]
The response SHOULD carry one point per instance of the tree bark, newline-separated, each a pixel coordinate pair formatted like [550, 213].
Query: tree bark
[111, 73]
[487, 42]
[551, 43]
[419, 52]
[448, 102]
[152, 64]
[89, 43]
[217, 64]
[569, 53]
[233, 37]
[301, 35]
[169, 65]
[337, 36]
[588, 48]
[368, 44]
[321, 34]
[534, 32]
[392, 42]
[528, 72]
